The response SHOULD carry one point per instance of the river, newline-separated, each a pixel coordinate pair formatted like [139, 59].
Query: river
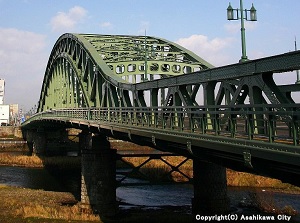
[146, 196]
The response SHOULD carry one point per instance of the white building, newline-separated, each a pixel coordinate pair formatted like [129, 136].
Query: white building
[2, 87]
[4, 114]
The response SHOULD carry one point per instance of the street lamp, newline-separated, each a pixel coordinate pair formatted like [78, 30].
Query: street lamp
[242, 14]
[297, 71]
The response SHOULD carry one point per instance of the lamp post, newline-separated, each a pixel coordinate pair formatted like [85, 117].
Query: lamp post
[297, 71]
[242, 14]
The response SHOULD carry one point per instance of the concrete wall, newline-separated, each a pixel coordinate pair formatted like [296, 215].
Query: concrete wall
[8, 131]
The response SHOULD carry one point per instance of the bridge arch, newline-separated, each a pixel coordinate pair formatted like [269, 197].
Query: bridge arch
[88, 70]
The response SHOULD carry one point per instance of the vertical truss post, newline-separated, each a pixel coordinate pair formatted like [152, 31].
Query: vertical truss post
[295, 130]
[191, 120]
[233, 123]
[209, 100]
[258, 117]
[249, 123]
[217, 122]
[271, 125]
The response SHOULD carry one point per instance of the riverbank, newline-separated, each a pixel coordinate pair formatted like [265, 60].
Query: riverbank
[21, 205]
[26, 205]
[36, 206]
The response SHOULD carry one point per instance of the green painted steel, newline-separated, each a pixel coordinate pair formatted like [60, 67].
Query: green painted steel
[86, 70]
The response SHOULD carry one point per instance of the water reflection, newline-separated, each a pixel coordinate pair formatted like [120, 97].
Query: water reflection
[158, 195]
[29, 178]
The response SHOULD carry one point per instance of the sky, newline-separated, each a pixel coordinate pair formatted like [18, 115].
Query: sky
[30, 28]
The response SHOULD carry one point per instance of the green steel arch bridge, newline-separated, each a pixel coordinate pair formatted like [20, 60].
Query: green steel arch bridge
[154, 92]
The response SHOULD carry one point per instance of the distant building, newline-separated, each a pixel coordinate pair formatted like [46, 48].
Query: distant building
[4, 114]
[13, 110]
[14, 114]
[9, 114]
[2, 87]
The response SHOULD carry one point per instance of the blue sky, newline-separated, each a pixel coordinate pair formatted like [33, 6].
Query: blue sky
[29, 29]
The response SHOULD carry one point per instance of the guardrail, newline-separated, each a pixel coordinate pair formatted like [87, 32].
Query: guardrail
[269, 123]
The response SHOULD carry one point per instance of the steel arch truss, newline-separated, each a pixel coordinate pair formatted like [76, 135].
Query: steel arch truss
[87, 70]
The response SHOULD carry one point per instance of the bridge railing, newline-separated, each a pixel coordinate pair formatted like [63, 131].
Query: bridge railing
[269, 123]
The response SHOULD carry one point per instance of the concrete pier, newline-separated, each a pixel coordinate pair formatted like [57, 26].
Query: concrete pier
[98, 175]
[39, 142]
[45, 142]
[210, 188]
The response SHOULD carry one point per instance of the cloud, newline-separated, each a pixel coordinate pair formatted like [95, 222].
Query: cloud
[208, 49]
[144, 27]
[23, 59]
[235, 27]
[105, 25]
[256, 54]
[65, 21]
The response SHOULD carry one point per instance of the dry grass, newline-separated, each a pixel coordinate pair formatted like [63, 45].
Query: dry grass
[3, 186]
[38, 162]
[241, 179]
[13, 160]
[61, 212]
[158, 170]
[27, 203]
[264, 201]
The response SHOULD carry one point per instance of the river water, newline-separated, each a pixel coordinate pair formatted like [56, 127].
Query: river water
[145, 196]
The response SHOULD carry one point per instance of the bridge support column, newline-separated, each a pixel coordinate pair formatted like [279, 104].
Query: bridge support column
[98, 176]
[39, 142]
[210, 188]
[28, 136]
[84, 140]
